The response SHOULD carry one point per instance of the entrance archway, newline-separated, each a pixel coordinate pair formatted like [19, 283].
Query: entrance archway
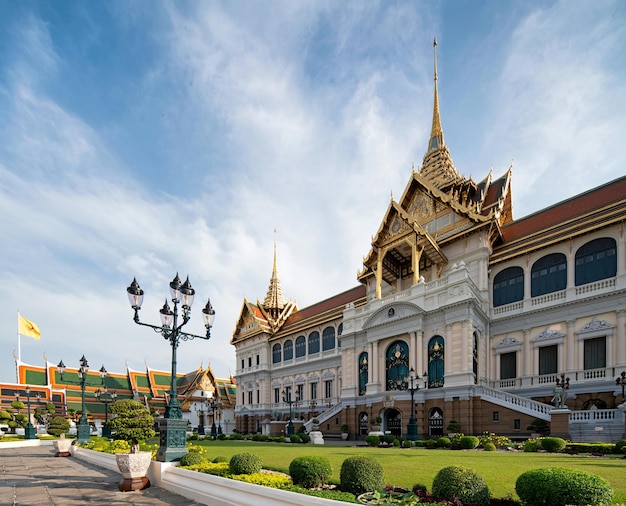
[363, 424]
[435, 423]
[393, 419]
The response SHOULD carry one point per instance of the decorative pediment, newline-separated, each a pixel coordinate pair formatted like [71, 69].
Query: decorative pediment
[595, 328]
[251, 321]
[548, 337]
[508, 344]
[392, 312]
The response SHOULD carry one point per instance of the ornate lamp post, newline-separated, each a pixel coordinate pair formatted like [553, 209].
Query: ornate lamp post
[106, 397]
[218, 408]
[621, 381]
[29, 430]
[83, 432]
[287, 398]
[413, 386]
[173, 427]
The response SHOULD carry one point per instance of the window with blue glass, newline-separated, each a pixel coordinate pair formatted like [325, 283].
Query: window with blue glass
[508, 286]
[314, 342]
[596, 260]
[300, 346]
[276, 354]
[548, 274]
[436, 352]
[363, 368]
[288, 350]
[328, 338]
[397, 366]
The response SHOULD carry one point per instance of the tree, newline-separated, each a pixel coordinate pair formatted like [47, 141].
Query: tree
[12, 416]
[58, 425]
[42, 414]
[132, 422]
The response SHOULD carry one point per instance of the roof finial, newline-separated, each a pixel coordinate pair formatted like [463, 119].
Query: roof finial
[436, 134]
[274, 300]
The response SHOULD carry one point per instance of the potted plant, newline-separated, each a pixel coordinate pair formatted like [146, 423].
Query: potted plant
[132, 423]
[377, 424]
[344, 431]
[453, 427]
[58, 426]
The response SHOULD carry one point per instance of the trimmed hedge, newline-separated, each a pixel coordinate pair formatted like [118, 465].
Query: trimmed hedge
[457, 482]
[372, 440]
[553, 444]
[361, 474]
[191, 459]
[559, 486]
[58, 425]
[468, 442]
[310, 471]
[245, 463]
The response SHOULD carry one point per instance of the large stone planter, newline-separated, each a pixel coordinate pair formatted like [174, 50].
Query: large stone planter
[134, 467]
[62, 446]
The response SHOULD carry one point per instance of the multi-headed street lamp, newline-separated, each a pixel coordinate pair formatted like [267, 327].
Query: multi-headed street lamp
[29, 430]
[200, 415]
[215, 404]
[413, 386]
[82, 431]
[287, 398]
[173, 427]
[219, 416]
[106, 397]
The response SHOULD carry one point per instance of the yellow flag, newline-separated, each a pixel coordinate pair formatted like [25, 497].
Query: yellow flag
[28, 328]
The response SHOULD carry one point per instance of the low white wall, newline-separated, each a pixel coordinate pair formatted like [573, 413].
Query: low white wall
[206, 488]
[26, 442]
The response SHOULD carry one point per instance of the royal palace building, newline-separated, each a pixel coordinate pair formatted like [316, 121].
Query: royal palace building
[462, 313]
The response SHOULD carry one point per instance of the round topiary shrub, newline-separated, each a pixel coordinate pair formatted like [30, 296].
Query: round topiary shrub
[532, 445]
[559, 486]
[244, 463]
[294, 438]
[310, 471]
[419, 487]
[407, 443]
[443, 442]
[553, 444]
[361, 474]
[305, 438]
[191, 459]
[372, 440]
[620, 447]
[460, 483]
[489, 447]
[468, 442]
[57, 426]
[219, 458]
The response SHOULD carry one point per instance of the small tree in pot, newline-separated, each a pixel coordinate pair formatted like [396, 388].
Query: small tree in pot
[132, 423]
[58, 426]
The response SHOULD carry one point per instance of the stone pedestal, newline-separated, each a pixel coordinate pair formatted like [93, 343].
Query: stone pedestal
[559, 423]
[316, 437]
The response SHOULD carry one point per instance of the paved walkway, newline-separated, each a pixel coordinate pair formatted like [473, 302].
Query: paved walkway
[33, 476]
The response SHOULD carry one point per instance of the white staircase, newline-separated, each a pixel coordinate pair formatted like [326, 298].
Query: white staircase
[322, 417]
[516, 402]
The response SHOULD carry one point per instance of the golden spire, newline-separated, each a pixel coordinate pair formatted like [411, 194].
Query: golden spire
[436, 134]
[274, 300]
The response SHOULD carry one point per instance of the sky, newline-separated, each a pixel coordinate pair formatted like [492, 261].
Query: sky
[148, 138]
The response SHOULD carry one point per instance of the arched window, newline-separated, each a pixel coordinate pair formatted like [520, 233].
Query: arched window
[288, 350]
[596, 260]
[300, 347]
[548, 274]
[508, 286]
[363, 367]
[397, 366]
[328, 338]
[435, 362]
[276, 354]
[314, 342]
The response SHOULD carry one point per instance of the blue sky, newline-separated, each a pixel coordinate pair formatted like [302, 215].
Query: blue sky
[144, 138]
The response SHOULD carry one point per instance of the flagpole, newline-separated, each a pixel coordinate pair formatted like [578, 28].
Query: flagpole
[19, 348]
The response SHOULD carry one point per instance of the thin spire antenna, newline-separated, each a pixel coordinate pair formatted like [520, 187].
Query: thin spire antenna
[436, 135]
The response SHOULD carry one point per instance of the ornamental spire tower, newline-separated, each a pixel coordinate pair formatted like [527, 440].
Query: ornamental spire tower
[437, 165]
[274, 300]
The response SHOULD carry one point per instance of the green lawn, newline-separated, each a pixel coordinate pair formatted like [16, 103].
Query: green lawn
[406, 467]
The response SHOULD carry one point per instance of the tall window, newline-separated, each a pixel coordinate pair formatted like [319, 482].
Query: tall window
[288, 350]
[276, 354]
[548, 359]
[250, 397]
[595, 353]
[596, 260]
[277, 395]
[548, 274]
[299, 392]
[363, 366]
[397, 366]
[328, 339]
[475, 357]
[508, 286]
[328, 389]
[508, 365]
[300, 347]
[314, 342]
[313, 391]
[436, 370]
